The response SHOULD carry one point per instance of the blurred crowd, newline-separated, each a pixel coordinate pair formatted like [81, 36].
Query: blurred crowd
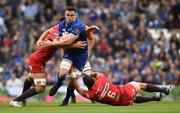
[124, 48]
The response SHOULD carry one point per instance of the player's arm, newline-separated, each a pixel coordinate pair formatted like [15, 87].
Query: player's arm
[91, 42]
[78, 44]
[67, 40]
[71, 37]
[91, 37]
[80, 90]
[44, 34]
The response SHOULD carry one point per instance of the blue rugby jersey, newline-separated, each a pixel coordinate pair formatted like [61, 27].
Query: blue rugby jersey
[76, 55]
[76, 28]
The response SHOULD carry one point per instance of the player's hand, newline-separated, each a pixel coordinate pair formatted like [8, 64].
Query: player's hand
[92, 28]
[80, 44]
[71, 75]
[38, 43]
[46, 43]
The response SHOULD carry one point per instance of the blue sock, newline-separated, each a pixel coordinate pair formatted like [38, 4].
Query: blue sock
[70, 91]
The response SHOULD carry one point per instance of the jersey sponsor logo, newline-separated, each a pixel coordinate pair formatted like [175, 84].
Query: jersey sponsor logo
[78, 29]
[64, 32]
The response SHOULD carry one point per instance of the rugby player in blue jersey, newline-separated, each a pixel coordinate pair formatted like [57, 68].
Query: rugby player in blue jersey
[74, 30]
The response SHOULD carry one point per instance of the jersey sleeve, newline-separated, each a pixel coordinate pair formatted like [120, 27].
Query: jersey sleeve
[55, 29]
[53, 33]
[77, 29]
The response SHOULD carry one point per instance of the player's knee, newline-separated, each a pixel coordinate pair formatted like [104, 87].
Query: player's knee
[136, 85]
[65, 67]
[143, 86]
[63, 72]
[40, 84]
[87, 68]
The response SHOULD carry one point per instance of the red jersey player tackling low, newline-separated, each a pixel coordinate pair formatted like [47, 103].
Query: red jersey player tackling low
[104, 91]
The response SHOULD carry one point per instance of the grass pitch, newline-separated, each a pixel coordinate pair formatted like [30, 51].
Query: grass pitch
[41, 107]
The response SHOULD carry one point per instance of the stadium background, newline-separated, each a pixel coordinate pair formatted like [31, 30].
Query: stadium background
[139, 40]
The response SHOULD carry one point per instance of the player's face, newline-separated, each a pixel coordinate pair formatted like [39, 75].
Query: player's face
[70, 16]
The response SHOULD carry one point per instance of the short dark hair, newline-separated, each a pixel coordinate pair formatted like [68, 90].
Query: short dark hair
[71, 9]
[88, 81]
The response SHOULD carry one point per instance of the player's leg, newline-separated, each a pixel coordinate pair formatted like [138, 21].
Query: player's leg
[73, 97]
[70, 88]
[154, 88]
[29, 81]
[27, 84]
[65, 67]
[69, 93]
[40, 83]
[149, 87]
[80, 64]
[143, 99]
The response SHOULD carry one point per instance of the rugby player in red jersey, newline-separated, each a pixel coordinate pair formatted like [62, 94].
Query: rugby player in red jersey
[104, 91]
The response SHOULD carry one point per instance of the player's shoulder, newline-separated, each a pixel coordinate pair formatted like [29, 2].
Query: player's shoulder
[61, 23]
[55, 26]
[101, 75]
[78, 22]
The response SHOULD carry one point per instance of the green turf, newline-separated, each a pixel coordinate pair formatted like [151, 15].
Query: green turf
[160, 107]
